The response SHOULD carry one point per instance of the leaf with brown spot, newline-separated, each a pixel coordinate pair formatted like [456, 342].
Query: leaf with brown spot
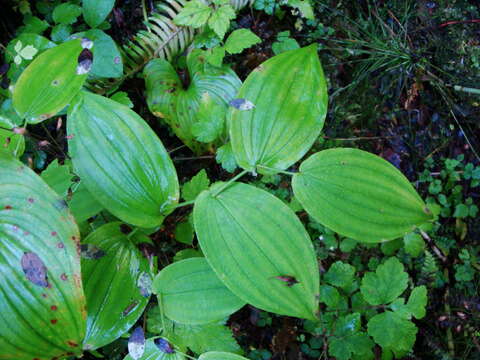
[34, 269]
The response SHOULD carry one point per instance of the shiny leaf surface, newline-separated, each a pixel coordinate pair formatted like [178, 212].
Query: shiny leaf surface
[359, 195]
[114, 299]
[152, 352]
[289, 93]
[218, 355]
[259, 249]
[191, 293]
[50, 82]
[41, 296]
[121, 161]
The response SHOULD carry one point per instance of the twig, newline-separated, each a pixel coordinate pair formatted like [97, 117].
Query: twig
[360, 138]
[435, 249]
[194, 158]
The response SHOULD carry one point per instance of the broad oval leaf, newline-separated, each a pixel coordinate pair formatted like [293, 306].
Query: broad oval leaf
[168, 99]
[161, 350]
[121, 161]
[10, 142]
[51, 81]
[95, 11]
[218, 355]
[289, 95]
[259, 249]
[191, 293]
[41, 299]
[112, 268]
[359, 195]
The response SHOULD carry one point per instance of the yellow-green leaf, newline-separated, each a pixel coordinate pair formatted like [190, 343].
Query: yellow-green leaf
[359, 195]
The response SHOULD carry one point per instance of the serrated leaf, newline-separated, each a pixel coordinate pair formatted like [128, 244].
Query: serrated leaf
[167, 98]
[414, 244]
[252, 240]
[42, 301]
[198, 338]
[387, 283]
[195, 13]
[95, 12]
[210, 120]
[284, 43]
[340, 274]
[329, 295]
[226, 158]
[240, 40]
[82, 204]
[152, 352]
[348, 340]
[66, 13]
[114, 300]
[359, 195]
[195, 186]
[217, 355]
[121, 161]
[184, 232]
[219, 21]
[391, 331]
[122, 98]
[215, 56]
[61, 32]
[58, 177]
[49, 83]
[303, 6]
[417, 302]
[28, 52]
[191, 293]
[286, 120]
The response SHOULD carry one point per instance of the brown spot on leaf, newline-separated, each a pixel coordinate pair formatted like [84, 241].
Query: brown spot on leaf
[53, 321]
[54, 308]
[60, 245]
[53, 233]
[31, 200]
[64, 277]
[34, 269]
[8, 207]
[125, 229]
[72, 343]
[44, 296]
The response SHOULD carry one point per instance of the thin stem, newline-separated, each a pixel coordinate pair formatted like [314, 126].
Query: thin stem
[177, 148]
[145, 16]
[185, 203]
[194, 158]
[276, 170]
[466, 89]
[236, 177]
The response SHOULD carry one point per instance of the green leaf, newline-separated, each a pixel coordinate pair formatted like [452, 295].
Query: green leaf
[195, 186]
[42, 301]
[195, 13]
[340, 274]
[10, 143]
[66, 13]
[303, 6]
[184, 232]
[284, 43]
[255, 244]
[198, 338]
[210, 120]
[329, 295]
[240, 40]
[82, 204]
[49, 83]
[359, 195]
[414, 244]
[392, 331]
[417, 302]
[191, 293]
[167, 98]
[286, 120]
[34, 25]
[348, 340]
[187, 254]
[215, 56]
[121, 161]
[387, 283]
[122, 98]
[61, 32]
[111, 278]
[58, 177]
[461, 211]
[95, 12]
[219, 21]
[226, 158]
[107, 60]
[217, 355]
[152, 352]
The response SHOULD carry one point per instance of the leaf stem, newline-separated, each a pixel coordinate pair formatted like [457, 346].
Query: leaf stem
[290, 173]
[225, 185]
[185, 203]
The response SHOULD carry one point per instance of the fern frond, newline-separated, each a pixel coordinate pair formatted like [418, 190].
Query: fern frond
[162, 39]
[429, 268]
